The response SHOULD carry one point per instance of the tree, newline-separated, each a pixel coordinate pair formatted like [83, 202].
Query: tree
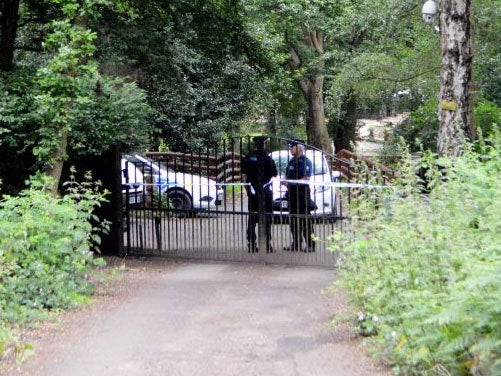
[295, 35]
[455, 108]
[335, 50]
[9, 10]
[311, 84]
[194, 59]
[57, 103]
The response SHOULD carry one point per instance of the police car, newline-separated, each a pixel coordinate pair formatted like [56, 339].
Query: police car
[322, 193]
[184, 191]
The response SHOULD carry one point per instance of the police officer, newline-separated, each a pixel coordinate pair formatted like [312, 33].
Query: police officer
[258, 168]
[299, 168]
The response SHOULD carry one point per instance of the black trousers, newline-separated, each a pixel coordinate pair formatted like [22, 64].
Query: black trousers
[254, 216]
[301, 225]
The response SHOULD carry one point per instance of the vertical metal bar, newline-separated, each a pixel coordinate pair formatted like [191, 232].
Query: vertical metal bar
[158, 233]
[141, 243]
[127, 207]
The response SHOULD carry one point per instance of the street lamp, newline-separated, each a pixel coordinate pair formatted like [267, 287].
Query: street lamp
[429, 11]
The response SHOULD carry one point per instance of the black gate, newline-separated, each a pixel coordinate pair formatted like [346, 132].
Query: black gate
[194, 205]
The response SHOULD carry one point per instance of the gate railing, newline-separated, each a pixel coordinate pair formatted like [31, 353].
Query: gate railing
[351, 164]
[194, 205]
[222, 168]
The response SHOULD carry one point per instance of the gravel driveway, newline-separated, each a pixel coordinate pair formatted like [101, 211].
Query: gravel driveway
[164, 318]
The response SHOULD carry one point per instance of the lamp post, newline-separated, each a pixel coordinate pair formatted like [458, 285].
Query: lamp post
[455, 104]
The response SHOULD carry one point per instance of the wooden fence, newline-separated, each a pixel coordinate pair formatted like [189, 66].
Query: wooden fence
[225, 168]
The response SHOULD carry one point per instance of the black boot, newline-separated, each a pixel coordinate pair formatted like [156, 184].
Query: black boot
[252, 248]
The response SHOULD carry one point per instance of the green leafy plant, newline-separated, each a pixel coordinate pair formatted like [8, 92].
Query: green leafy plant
[46, 248]
[424, 269]
[421, 130]
[487, 117]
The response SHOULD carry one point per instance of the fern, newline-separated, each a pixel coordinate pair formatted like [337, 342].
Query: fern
[429, 266]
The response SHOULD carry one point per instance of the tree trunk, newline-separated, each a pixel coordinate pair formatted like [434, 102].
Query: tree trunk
[9, 13]
[59, 157]
[312, 88]
[316, 128]
[455, 107]
[345, 131]
[273, 122]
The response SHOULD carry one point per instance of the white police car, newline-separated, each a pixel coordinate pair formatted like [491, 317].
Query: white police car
[322, 193]
[183, 191]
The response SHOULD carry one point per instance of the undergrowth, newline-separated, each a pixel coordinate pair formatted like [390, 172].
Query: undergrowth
[424, 268]
[46, 251]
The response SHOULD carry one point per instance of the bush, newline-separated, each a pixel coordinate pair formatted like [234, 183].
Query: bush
[420, 132]
[46, 249]
[487, 117]
[425, 270]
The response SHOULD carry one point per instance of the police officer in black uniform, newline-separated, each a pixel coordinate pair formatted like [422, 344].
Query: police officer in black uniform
[299, 168]
[258, 168]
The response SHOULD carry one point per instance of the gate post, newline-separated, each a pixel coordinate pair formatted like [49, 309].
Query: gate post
[113, 242]
[106, 168]
[261, 208]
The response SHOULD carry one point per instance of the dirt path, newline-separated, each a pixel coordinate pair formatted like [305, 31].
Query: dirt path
[165, 318]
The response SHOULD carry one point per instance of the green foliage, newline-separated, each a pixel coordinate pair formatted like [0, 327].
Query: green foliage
[422, 129]
[46, 248]
[199, 67]
[117, 113]
[56, 91]
[420, 132]
[487, 117]
[486, 20]
[425, 269]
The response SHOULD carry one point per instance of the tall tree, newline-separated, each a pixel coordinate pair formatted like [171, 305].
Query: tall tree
[323, 43]
[195, 60]
[456, 108]
[297, 30]
[56, 101]
[309, 45]
[9, 13]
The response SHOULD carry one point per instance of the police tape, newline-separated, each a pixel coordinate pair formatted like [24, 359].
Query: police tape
[336, 184]
[310, 182]
[181, 185]
[295, 182]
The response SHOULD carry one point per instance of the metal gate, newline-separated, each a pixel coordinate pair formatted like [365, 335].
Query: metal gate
[194, 205]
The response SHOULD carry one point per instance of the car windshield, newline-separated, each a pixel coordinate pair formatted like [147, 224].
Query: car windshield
[281, 159]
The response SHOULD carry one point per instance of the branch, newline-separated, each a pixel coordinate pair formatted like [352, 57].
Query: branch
[294, 64]
[304, 87]
[316, 38]
[409, 78]
[294, 61]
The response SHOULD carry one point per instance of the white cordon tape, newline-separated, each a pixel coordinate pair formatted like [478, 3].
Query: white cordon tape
[304, 182]
[309, 182]
[337, 184]
[177, 184]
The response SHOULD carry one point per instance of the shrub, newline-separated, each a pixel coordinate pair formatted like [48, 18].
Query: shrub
[421, 129]
[425, 269]
[46, 249]
[487, 117]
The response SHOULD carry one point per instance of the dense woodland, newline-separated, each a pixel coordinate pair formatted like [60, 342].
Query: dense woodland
[78, 76]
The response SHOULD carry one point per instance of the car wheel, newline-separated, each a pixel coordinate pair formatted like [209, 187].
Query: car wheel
[181, 203]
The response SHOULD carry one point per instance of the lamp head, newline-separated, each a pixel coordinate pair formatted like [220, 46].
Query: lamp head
[429, 11]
